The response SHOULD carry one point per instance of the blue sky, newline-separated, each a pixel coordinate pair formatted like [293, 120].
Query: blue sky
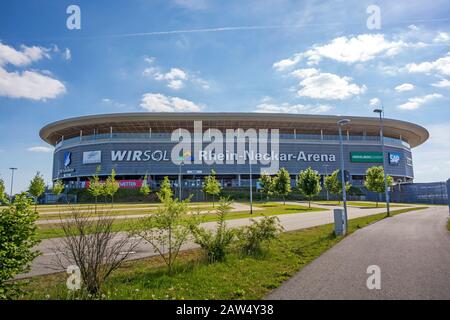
[185, 55]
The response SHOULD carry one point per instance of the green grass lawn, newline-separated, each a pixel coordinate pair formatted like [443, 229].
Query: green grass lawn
[121, 212]
[362, 204]
[46, 231]
[236, 278]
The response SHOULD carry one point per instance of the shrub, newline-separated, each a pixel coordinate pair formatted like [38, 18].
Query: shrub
[90, 243]
[215, 243]
[252, 237]
[17, 238]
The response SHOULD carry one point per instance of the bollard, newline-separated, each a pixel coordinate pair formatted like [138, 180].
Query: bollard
[339, 222]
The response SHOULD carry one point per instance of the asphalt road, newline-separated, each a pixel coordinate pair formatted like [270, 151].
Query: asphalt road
[411, 249]
[51, 249]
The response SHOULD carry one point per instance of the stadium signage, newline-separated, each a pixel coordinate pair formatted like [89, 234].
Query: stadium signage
[394, 158]
[163, 155]
[366, 157]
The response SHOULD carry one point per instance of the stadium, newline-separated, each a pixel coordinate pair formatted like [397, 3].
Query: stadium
[142, 144]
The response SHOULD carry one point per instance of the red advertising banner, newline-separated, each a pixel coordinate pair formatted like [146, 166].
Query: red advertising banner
[123, 184]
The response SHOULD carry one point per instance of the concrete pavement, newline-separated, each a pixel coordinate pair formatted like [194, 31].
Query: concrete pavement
[411, 249]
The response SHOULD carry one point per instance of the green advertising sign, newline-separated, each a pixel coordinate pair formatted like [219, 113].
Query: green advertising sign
[366, 157]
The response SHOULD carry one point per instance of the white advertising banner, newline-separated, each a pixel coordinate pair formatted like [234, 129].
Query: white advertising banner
[92, 157]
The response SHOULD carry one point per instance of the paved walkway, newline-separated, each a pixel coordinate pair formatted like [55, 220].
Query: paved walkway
[50, 248]
[411, 249]
[235, 207]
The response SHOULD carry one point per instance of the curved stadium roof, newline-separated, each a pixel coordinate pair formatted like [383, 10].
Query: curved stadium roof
[167, 122]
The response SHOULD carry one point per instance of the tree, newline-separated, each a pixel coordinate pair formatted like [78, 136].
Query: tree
[111, 186]
[212, 186]
[215, 243]
[167, 229]
[145, 188]
[375, 180]
[58, 187]
[17, 238]
[282, 183]
[309, 183]
[3, 197]
[266, 182]
[96, 188]
[333, 183]
[36, 188]
[165, 191]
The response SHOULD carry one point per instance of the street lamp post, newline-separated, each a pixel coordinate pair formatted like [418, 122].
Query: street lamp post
[342, 123]
[381, 113]
[179, 179]
[12, 183]
[251, 183]
[326, 175]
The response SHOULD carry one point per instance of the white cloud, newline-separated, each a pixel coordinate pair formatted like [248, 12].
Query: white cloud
[266, 107]
[40, 149]
[287, 63]
[416, 102]
[30, 85]
[404, 87]
[360, 48]
[27, 84]
[26, 56]
[374, 102]
[442, 37]
[67, 54]
[444, 83]
[441, 65]
[304, 73]
[157, 102]
[329, 86]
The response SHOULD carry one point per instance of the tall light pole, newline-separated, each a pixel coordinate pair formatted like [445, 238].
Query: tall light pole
[179, 179]
[326, 176]
[251, 181]
[12, 183]
[342, 123]
[381, 113]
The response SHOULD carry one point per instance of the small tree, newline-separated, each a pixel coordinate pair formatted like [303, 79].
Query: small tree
[167, 229]
[17, 238]
[267, 187]
[215, 243]
[58, 187]
[333, 183]
[165, 191]
[282, 184]
[375, 180]
[145, 188]
[309, 183]
[96, 188]
[36, 188]
[212, 186]
[111, 186]
[3, 197]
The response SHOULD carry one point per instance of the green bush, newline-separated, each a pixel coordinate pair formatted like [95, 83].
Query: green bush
[252, 237]
[215, 243]
[17, 238]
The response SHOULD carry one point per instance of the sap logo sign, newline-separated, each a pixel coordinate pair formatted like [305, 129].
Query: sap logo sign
[67, 159]
[394, 158]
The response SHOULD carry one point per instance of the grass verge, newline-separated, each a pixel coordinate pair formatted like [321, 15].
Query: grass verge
[236, 278]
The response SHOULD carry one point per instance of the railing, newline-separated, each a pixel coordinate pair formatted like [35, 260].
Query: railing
[166, 137]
